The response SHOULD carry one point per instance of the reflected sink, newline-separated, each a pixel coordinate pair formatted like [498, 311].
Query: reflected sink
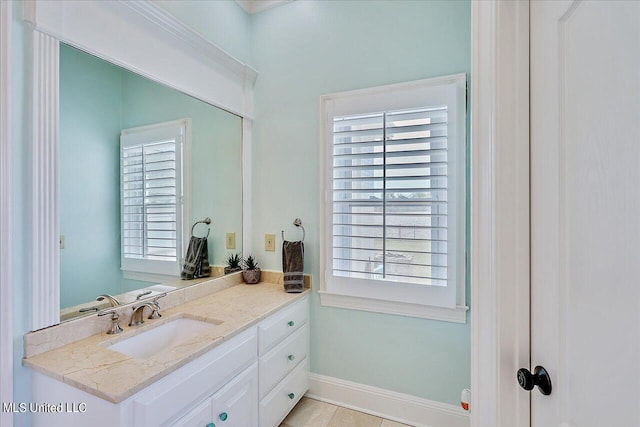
[163, 337]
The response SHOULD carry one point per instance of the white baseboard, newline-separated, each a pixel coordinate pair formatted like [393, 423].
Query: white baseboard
[391, 405]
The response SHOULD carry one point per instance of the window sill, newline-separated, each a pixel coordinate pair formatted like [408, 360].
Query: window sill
[148, 277]
[455, 315]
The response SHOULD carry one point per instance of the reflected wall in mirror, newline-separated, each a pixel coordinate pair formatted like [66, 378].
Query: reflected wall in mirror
[99, 100]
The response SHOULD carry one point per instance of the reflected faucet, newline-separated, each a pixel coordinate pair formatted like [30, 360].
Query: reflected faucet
[114, 302]
[142, 295]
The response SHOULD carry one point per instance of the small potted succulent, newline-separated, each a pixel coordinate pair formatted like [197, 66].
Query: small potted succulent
[234, 263]
[251, 272]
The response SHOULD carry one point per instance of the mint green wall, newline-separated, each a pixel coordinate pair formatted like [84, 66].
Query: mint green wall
[97, 101]
[308, 48]
[90, 124]
[223, 22]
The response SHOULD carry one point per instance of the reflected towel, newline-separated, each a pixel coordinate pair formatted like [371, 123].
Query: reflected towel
[196, 262]
[293, 266]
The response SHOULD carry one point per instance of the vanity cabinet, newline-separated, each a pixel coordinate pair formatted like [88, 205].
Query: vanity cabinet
[233, 406]
[251, 380]
[283, 349]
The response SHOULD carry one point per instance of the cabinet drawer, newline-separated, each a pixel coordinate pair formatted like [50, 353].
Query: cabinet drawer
[283, 398]
[281, 325]
[281, 360]
[172, 395]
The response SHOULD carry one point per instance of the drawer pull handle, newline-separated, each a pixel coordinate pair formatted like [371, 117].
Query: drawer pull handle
[211, 425]
[291, 357]
[224, 416]
[290, 323]
[292, 396]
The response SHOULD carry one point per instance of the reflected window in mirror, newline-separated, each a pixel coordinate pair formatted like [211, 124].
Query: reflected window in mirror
[97, 101]
[152, 202]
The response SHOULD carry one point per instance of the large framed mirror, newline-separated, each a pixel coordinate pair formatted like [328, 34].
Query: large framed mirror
[128, 195]
[94, 92]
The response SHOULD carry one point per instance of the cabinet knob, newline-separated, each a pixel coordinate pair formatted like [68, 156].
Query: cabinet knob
[224, 416]
[292, 396]
[291, 357]
[290, 323]
[211, 425]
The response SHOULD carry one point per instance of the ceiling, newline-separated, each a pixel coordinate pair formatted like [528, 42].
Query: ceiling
[255, 6]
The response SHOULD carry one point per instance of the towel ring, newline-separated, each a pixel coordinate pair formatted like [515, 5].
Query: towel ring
[298, 223]
[207, 221]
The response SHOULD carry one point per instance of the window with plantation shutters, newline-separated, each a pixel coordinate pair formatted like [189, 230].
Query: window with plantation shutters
[394, 197]
[151, 197]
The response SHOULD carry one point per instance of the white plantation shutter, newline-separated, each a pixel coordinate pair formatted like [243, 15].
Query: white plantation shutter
[151, 194]
[390, 196]
[394, 198]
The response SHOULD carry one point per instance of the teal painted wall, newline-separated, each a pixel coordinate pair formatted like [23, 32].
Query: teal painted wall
[308, 48]
[97, 101]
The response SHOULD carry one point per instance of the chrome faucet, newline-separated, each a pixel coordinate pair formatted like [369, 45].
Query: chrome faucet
[137, 318]
[84, 310]
[142, 295]
[115, 326]
[114, 302]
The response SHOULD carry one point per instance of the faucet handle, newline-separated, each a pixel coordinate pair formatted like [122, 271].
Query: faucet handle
[143, 294]
[115, 326]
[157, 297]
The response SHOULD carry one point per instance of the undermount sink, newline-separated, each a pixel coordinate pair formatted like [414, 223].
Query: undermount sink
[163, 337]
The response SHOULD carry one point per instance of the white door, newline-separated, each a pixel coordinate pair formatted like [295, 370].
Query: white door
[585, 211]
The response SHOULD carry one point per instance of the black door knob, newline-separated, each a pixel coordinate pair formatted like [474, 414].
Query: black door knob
[540, 378]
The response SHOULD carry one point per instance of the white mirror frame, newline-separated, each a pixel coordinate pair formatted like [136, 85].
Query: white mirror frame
[146, 40]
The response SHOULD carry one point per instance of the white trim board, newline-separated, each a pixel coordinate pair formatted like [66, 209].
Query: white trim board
[183, 59]
[445, 314]
[6, 308]
[391, 405]
[499, 212]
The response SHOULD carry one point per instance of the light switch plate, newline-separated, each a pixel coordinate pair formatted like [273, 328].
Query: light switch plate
[62, 241]
[231, 240]
[270, 242]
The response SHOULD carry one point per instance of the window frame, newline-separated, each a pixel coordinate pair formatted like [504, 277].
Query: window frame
[414, 300]
[142, 269]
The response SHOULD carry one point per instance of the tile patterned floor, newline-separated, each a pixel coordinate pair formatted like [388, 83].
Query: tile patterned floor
[313, 413]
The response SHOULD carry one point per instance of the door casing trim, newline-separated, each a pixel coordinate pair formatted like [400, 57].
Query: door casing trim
[500, 262]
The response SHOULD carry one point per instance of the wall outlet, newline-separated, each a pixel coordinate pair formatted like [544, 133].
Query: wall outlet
[231, 240]
[270, 242]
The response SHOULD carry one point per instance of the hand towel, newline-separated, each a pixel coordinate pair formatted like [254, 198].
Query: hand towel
[196, 261]
[293, 266]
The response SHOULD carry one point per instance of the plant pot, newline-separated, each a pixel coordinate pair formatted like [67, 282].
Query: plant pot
[251, 277]
[228, 270]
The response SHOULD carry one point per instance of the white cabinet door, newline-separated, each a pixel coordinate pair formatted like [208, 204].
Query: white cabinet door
[585, 211]
[236, 404]
[198, 417]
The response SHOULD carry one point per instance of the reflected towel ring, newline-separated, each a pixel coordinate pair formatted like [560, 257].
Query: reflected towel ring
[298, 223]
[207, 221]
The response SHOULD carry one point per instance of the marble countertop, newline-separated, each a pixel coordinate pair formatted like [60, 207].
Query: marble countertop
[88, 365]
